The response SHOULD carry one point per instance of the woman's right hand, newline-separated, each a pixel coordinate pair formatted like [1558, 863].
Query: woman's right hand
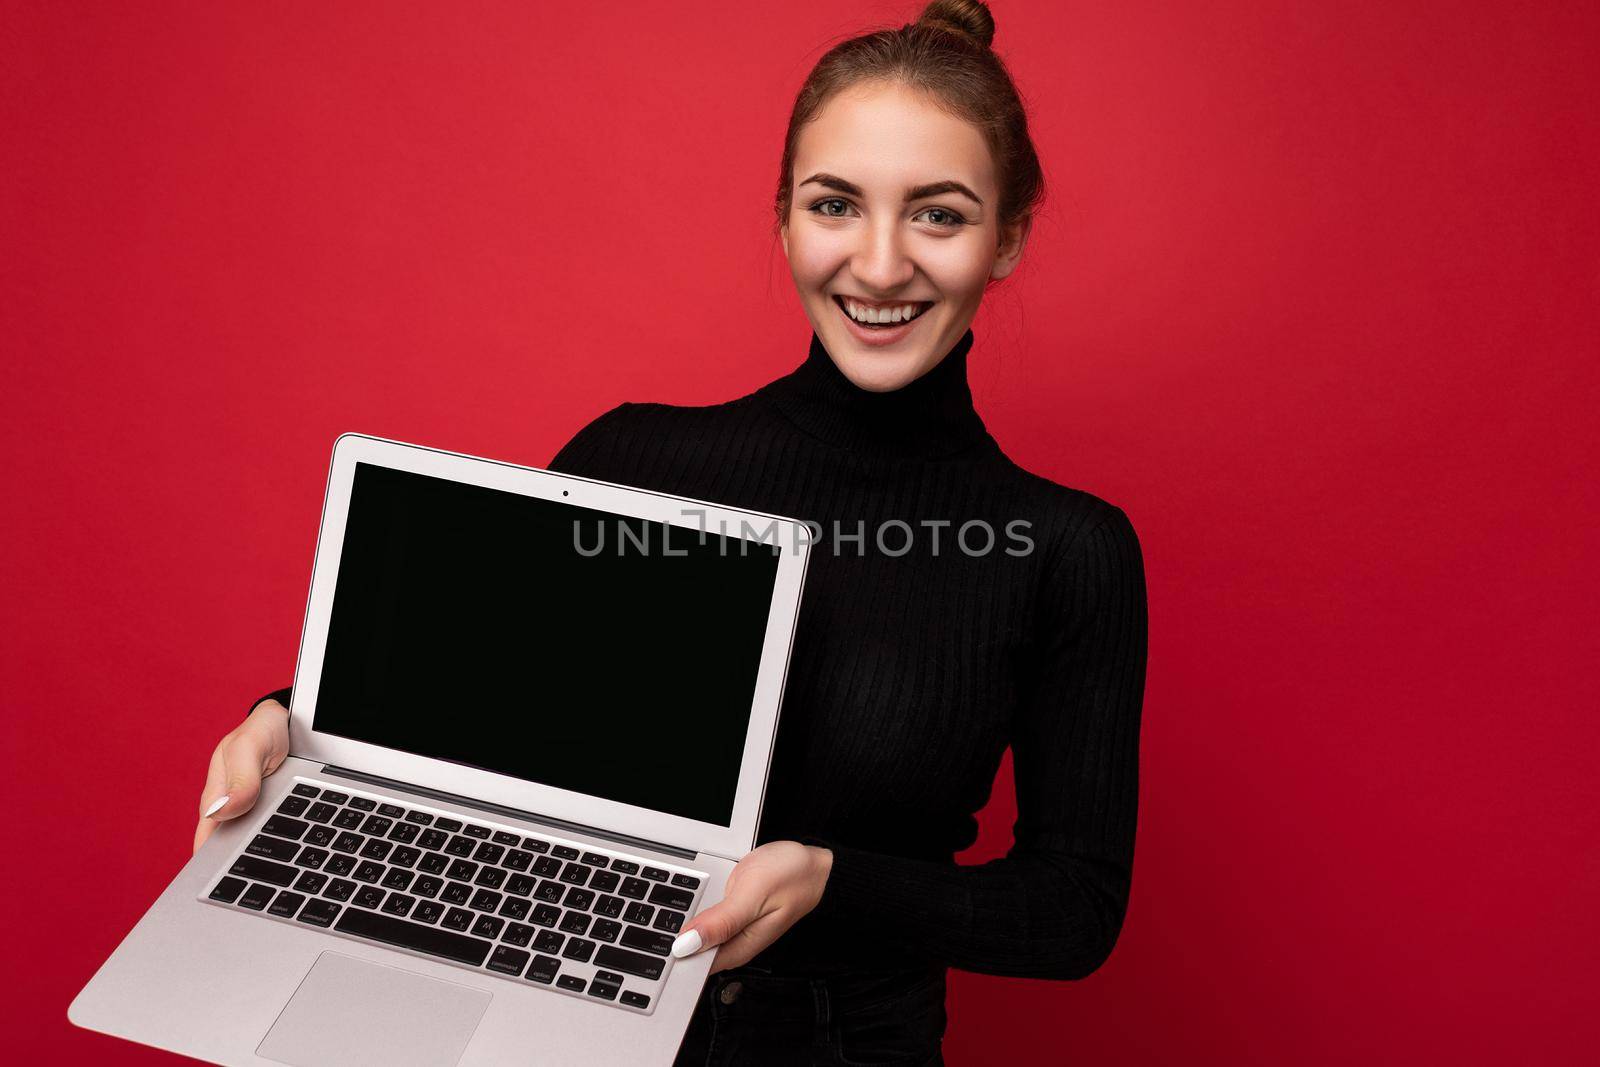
[253, 750]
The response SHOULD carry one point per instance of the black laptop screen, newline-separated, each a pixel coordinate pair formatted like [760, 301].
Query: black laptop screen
[603, 654]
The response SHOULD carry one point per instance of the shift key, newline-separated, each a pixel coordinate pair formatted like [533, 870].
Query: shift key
[634, 963]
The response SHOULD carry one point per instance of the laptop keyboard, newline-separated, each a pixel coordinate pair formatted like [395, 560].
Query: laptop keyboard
[583, 921]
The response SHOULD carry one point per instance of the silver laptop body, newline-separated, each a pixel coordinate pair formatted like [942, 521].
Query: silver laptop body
[533, 718]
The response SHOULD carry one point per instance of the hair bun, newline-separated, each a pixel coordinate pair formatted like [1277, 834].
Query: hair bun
[969, 17]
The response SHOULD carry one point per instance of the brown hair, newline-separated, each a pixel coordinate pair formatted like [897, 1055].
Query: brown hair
[946, 54]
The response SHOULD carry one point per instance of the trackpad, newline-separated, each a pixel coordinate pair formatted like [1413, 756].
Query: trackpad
[349, 1011]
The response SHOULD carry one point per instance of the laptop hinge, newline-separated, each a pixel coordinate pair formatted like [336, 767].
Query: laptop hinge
[516, 813]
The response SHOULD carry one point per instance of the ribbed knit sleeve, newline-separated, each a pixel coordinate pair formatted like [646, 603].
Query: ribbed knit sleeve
[1053, 906]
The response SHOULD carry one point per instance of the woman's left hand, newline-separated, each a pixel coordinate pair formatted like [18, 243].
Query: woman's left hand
[769, 891]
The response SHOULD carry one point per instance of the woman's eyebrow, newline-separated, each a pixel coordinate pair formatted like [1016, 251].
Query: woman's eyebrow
[916, 192]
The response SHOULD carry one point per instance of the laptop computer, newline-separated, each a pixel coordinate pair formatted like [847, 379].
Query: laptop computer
[532, 721]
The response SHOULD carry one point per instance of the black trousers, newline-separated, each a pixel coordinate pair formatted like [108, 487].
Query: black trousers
[748, 1015]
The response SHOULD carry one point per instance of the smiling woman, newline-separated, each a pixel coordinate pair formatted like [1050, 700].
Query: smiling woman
[907, 186]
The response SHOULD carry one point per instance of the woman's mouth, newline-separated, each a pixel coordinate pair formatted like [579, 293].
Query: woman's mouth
[881, 325]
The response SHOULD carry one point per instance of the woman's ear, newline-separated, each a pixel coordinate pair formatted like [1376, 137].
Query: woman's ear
[1012, 240]
[783, 232]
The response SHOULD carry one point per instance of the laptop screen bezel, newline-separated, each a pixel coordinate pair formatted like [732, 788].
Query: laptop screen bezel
[788, 535]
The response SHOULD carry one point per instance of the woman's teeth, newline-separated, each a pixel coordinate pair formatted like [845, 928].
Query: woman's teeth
[884, 316]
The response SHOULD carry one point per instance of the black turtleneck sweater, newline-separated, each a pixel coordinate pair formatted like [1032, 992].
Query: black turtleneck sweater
[919, 657]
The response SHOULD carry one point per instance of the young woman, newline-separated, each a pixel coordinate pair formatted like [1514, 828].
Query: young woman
[956, 604]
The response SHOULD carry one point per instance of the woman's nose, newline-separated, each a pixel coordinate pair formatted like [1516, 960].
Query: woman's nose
[880, 263]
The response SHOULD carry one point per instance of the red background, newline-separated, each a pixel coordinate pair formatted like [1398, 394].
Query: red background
[1316, 300]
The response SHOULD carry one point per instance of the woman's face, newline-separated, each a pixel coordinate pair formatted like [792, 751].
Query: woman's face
[893, 206]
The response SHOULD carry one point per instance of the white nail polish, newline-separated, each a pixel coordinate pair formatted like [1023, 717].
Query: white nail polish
[216, 806]
[687, 944]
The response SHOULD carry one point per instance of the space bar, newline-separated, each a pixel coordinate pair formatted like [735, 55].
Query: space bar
[427, 939]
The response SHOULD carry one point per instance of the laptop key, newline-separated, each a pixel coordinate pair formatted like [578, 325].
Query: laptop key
[339, 889]
[517, 860]
[228, 889]
[670, 897]
[625, 866]
[368, 896]
[492, 877]
[533, 844]
[427, 939]
[421, 818]
[404, 856]
[320, 812]
[476, 831]
[508, 960]
[549, 941]
[306, 790]
[333, 796]
[488, 926]
[456, 893]
[398, 904]
[543, 969]
[505, 837]
[433, 863]
[428, 912]
[433, 840]
[655, 874]
[368, 871]
[311, 857]
[340, 864]
[285, 904]
[640, 914]
[449, 826]
[311, 882]
[550, 891]
[261, 870]
[515, 908]
[255, 898]
[376, 825]
[579, 899]
[321, 836]
[669, 920]
[405, 832]
[635, 888]
[458, 918]
[273, 848]
[485, 900]
[570, 981]
[594, 859]
[375, 849]
[646, 940]
[610, 907]
[605, 930]
[685, 881]
[575, 874]
[393, 811]
[463, 870]
[461, 845]
[603, 990]
[547, 866]
[398, 878]
[489, 853]
[348, 819]
[575, 922]
[362, 803]
[564, 852]
[635, 963]
[347, 842]
[518, 935]
[604, 881]
[293, 806]
[635, 1000]
[578, 949]
[546, 914]
[520, 885]
[427, 886]
[319, 913]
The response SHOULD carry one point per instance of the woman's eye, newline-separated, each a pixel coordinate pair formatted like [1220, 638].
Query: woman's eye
[947, 219]
[822, 204]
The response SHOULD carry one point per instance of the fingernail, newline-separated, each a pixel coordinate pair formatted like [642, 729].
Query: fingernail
[216, 806]
[687, 944]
